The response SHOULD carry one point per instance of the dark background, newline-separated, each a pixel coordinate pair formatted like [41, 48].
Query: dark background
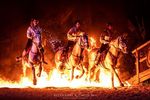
[57, 17]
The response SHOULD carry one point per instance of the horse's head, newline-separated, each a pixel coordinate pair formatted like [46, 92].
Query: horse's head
[122, 45]
[83, 39]
[119, 44]
[36, 43]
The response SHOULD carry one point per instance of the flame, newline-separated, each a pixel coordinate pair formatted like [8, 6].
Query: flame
[92, 42]
[55, 79]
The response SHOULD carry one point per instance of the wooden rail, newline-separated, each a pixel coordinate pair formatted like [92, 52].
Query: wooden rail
[139, 76]
[142, 46]
[142, 77]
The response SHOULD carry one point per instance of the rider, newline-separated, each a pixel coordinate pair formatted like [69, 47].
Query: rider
[34, 31]
[105, 38]
[71, 35]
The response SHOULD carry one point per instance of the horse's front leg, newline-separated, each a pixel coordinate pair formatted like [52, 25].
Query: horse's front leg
[72, 73]
[40, 70]
[82, 73]
[121, 84]
[115, 74]
[24, 69]
[90, 74]
[96, 73]
[112, 78]
[85, 68]
[33, 74]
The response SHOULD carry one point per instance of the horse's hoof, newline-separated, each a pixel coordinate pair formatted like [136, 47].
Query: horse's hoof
[34, 82]
[71, 78]
[97, 81]
[39, 74]
[86, 79]
[114, 88]
[77, 77]
[122, 85]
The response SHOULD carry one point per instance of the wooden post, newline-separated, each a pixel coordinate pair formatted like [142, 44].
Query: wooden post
[137, 66]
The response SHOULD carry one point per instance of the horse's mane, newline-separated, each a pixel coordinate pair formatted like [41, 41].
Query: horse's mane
[56, 44]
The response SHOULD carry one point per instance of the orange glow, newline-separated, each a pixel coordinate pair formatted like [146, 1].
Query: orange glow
[56, 80]
[92, 42]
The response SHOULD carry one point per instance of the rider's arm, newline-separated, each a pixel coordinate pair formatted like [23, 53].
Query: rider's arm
[71, 35]
[29, 33]
[103, 39]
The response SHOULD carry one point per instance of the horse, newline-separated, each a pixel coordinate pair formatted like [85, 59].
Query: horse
[78, 56]
[33, 59]
[73, 58]
[110, 60]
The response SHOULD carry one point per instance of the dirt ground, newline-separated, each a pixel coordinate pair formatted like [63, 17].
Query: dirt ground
[51, 93]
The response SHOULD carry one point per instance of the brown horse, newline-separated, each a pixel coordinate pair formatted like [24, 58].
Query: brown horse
[110, 60]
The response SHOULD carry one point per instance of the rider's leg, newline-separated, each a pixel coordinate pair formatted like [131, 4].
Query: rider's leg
[101, 49]
[43, 60]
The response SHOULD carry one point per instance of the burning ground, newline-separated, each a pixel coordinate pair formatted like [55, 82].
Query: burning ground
[126, 93]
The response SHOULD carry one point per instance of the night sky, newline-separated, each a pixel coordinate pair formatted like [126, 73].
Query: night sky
[57, 17]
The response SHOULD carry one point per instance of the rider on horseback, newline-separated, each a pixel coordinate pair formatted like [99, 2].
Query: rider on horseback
[71, 36]
[72, 33]
[105, 39]
[33, 32]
